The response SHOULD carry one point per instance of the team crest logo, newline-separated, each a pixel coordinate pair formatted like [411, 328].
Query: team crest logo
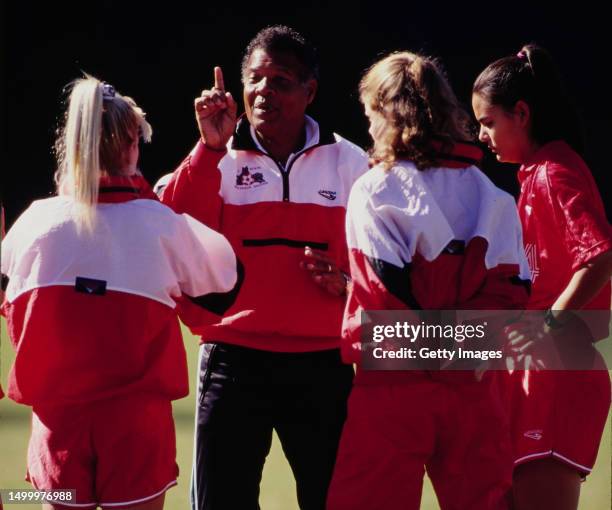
[534, 434]
[330, 195]
[247, 179]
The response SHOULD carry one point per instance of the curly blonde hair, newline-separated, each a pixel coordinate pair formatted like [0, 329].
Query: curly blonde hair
[418, 106]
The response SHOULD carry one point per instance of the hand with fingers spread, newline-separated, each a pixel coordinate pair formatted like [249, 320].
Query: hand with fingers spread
[324, 271]
[216, 114]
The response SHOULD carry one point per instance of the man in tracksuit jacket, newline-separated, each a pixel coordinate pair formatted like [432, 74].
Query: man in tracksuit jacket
[276, 184]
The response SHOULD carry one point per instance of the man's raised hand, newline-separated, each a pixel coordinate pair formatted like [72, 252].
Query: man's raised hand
[216, 114]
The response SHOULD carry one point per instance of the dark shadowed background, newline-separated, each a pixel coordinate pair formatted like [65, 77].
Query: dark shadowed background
[162, 54]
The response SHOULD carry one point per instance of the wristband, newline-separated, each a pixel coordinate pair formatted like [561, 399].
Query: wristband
[551, 321]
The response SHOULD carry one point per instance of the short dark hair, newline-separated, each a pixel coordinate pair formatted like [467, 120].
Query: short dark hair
[283, 39]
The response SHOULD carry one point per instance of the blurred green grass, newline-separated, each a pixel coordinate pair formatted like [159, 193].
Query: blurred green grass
[278, 487]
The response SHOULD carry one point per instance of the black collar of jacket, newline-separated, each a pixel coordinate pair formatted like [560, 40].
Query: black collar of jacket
[243, 141]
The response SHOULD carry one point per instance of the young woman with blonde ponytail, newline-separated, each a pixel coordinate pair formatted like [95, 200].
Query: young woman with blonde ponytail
[426, 230]
[91, 278]
[100, 136]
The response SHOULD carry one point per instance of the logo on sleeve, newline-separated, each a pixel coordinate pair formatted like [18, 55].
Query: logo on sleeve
[330, 195]
[534, 434]
[247, 178]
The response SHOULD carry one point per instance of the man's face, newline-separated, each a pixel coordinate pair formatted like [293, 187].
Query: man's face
[275, 97]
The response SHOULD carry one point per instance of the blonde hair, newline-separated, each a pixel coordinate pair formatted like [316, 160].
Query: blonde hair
[413, 96]
[99, 126]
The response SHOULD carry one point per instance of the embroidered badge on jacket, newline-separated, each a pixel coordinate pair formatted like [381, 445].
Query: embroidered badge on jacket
[247, 179]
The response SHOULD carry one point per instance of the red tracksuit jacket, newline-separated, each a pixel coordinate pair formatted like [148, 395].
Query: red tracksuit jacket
[269, 214]
[443, 238]
[95, 316]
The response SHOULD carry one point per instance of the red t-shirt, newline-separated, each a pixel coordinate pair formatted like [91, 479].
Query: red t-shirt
[564, 222]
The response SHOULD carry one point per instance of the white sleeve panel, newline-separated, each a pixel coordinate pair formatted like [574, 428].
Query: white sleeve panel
[205, 260]
[400, 211]
[368, 232]
[498, 222]
[140, 247]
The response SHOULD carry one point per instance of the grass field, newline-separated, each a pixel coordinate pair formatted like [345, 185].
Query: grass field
[278, 488]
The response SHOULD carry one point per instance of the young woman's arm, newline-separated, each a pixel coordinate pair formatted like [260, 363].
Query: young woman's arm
[586, 283]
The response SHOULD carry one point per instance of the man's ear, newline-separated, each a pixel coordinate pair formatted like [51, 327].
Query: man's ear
[523, 113]
[311, 89]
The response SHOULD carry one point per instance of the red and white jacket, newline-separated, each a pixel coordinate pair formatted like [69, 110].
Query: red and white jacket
[443, 238]
[269, 214]
[94, 316]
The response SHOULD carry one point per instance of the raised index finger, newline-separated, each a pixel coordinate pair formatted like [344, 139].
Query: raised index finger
[219, 84]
